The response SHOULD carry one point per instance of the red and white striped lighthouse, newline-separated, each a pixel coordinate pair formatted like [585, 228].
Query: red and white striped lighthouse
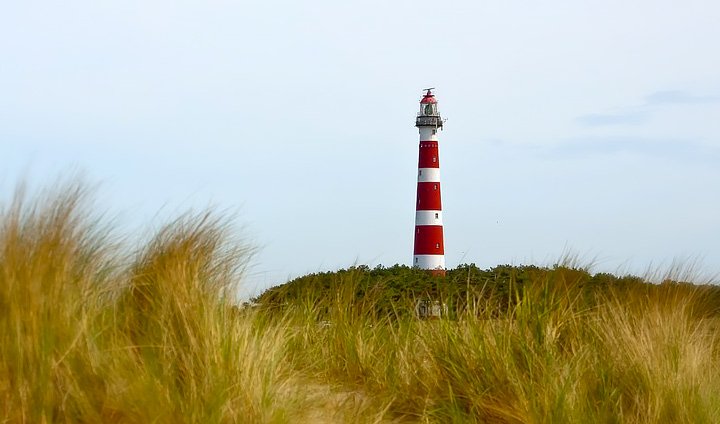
[429, 252]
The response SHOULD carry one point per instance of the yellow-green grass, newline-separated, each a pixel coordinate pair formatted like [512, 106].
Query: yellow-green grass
[90, 332]
[93, 331]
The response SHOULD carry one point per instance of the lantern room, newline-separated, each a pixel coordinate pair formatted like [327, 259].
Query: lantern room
[428, 105]
[428, 115]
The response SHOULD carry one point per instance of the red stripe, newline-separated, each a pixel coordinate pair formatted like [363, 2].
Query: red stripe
[428, 197]
[429, 240]
[429, 157]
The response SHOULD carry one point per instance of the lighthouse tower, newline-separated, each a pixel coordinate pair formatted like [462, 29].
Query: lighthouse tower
[429, 252]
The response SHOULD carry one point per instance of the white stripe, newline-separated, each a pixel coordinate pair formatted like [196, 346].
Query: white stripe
[429, 261]
[428, 218]
[429, 175]
[426, 134]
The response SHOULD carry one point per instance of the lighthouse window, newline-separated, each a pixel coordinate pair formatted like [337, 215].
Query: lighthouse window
[434, 159]
[416, 260]
[437, 216]
[419, 172]
[435, 187]
[434, 131]
[437, 245]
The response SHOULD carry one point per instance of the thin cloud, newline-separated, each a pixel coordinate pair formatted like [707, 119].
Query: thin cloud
[681, 150]
[679, 97]
[637, 115]
[604, 119]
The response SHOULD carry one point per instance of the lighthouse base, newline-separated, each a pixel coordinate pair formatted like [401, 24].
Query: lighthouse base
[430, 262]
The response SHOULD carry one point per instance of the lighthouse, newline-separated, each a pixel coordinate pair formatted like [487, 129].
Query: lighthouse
[429, 250]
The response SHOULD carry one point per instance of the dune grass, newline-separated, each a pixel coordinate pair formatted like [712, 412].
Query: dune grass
[91, 332]
[551, 357]
[94, 331]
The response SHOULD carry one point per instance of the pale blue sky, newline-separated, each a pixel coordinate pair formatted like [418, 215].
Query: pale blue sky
[589, 126]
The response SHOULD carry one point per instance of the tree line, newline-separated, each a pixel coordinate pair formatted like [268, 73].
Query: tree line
[466, 288]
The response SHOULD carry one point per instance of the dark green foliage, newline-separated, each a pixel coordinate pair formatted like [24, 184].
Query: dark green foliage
[466, 289]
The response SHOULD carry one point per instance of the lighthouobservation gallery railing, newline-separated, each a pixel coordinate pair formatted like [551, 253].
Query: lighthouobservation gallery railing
[428, 121]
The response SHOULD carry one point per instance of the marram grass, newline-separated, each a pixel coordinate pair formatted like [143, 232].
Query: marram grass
[92, 331]
[86, 336]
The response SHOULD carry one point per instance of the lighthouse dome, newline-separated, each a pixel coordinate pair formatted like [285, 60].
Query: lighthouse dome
[428, 98]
